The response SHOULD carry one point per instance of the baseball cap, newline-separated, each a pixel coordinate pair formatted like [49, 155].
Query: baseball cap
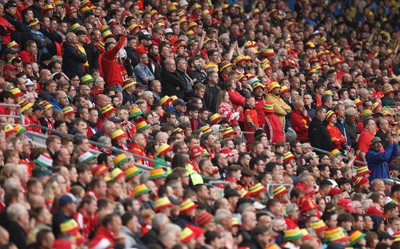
[174, 201]
[66, 199]
[39, 172]
[346, 204]
[9, 67]
[29, 82]
[375, 140]
[116, 120]
[180, 102]
[145, 37]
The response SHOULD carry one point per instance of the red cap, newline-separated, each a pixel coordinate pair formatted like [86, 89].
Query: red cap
[346, 204]
[9, 67]
[335, 191]
[141, 51]
[226, 151]
[196, 230]
[196, 151]
[308, 204]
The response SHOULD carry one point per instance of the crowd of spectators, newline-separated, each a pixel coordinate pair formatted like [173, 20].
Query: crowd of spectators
[199, 124]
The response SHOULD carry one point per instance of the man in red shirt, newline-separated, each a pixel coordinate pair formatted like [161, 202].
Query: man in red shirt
[30, 52]
[364, 141]
[86, 216]
[109, 233]
[300, 121]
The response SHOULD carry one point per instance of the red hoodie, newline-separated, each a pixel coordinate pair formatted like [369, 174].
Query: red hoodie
[110, 67]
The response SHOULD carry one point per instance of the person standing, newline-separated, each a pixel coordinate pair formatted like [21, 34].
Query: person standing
[317, 133]
[377, 160]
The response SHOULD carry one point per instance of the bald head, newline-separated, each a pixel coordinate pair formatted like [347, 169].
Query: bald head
[103, 100]
[170, 65]
[299, 105]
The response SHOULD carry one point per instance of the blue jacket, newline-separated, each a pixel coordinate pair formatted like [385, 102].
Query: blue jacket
[378, 161]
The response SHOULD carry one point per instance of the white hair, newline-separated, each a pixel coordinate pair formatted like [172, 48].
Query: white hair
[12, 183]
[170, 231]
[14, 211]
[222, 214]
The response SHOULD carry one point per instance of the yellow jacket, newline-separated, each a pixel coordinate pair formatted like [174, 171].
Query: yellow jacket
[281, 109]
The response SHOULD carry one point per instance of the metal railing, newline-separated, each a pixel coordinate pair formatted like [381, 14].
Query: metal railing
[39, 139]
[18, 116]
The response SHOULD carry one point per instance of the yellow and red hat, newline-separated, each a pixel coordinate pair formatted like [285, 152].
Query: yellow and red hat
[163, 149]
[165, 100]
[68, 110]
[9, 129]
[13, 44]
[240, 58]
[288, 156]
[100, 170]
[228, 132]
[329, 115]
[224, 64]
[161, 203]
[284, 89]
[268, 52]
[117, 173]
[205, 129]
[308, 204]
[363, 170]
[186, 235]
[388, 89]
[279, 191]
[215, 118]
[358, 181]
[46, 105]
[256, 189]
[118, 134]
[69, 227]
[107, 110]
[269, 107]
[358, 102]
[127, 83]
[318, 226]
[25, 105]
[186, 206]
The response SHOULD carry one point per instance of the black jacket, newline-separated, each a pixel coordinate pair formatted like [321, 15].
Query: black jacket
[154, 66]
[318, 135]
[17, 234]
[73, 61]
[210, 98]
[151, 237]
[172, 84]
[131, 53]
